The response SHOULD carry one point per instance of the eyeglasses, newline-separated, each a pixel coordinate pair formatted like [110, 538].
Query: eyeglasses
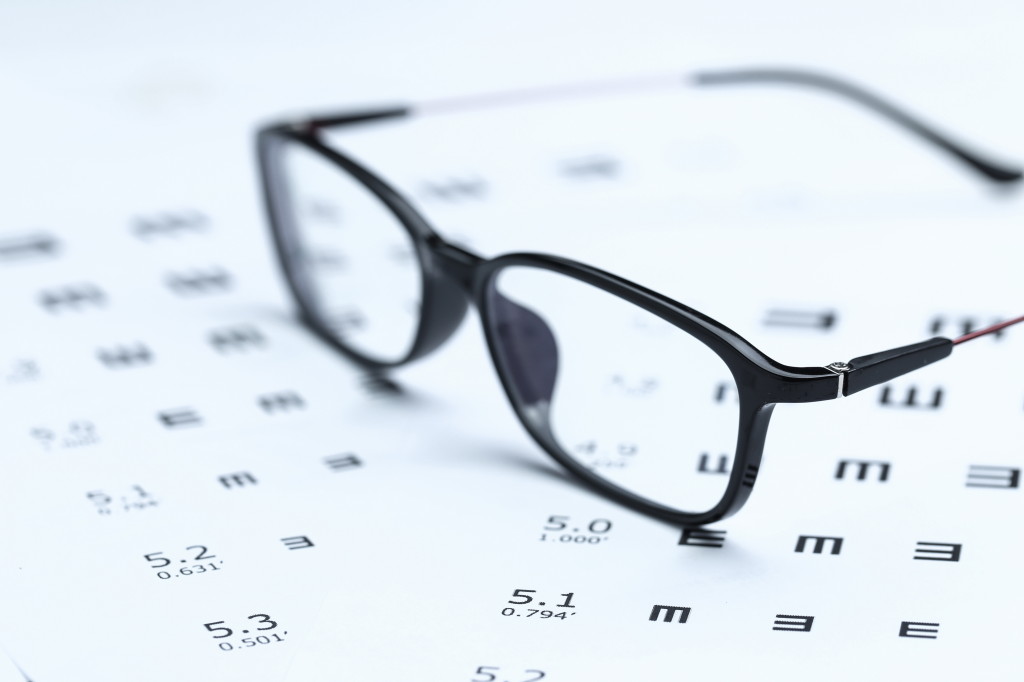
[378, 283]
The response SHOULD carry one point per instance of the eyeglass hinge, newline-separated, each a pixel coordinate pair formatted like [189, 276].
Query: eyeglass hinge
[840, 369]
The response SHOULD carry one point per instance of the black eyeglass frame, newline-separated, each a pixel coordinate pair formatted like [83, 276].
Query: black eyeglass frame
[453, 277]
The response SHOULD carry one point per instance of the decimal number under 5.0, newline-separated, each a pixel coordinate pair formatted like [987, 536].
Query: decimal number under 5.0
[536, 613]
[247, 642]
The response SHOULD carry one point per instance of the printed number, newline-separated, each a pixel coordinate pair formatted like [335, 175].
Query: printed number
[264, 618]
[155, 557]
[556, 522]
[229, 631]
[482, 670]
[150, 558]
[246, 642]
[202, 553]
[487, 676]
[526, 598]
[561, 522]
[519, 593]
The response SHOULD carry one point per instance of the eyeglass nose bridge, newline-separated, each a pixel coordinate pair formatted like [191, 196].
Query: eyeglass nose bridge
[453, 262]
[528, 354]
[449, 273]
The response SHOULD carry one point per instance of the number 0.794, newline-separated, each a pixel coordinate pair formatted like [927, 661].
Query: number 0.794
[530, 613]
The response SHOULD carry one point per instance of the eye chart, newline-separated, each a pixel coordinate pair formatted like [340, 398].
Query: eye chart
[195, 486]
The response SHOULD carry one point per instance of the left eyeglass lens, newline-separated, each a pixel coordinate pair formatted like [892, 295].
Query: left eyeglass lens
[630, 398]
[355, 263]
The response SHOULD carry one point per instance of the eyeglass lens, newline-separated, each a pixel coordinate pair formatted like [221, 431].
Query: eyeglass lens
[624, 393]
[356, 262]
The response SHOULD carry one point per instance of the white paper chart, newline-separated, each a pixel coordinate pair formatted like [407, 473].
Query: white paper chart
[195, 486]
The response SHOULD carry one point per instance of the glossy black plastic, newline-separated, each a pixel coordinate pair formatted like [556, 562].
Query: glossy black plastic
[816, 81]
[877, 368]
[452, 277]
[522, 347]
[444, 301]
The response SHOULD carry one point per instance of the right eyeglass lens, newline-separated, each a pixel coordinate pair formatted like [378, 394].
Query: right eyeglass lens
[633, 399]
[356, 264]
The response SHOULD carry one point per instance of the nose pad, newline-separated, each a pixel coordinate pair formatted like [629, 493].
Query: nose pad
[527, 350]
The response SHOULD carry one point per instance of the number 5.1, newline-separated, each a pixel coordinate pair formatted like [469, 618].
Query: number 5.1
[526, 598]
[520, 593]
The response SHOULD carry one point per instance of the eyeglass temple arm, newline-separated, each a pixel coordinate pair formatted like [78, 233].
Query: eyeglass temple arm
[877, 368]
[990, 169]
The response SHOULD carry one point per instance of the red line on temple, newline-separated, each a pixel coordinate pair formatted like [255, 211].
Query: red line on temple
[988, 330]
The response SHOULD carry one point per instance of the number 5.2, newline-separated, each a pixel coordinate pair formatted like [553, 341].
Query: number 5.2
[485, 670]
[154, 557]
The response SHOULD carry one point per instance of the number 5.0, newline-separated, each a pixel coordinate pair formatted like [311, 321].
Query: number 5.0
[556, 522]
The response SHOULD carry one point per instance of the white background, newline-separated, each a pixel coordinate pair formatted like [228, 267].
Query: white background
[112, 110]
